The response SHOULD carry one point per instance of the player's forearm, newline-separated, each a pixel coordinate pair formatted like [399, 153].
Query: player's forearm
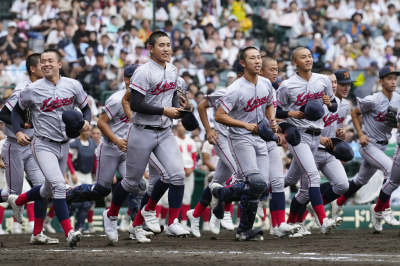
[5, 116]
[226, 120]
[106, 130]
[357, 123]
[202, 109]
[138, 105]
[209, 165]
[16, 118]
[270, 112]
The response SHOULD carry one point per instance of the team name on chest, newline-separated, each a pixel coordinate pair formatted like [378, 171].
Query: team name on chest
[329, 119]
[49, 104]
[160, 88]
[380, 117]
[303, 98]
[254, 103]
[340, 120]
[124, 119]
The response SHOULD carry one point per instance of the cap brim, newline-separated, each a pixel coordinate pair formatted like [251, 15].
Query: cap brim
[72, 133]
[393, 72]
[345, 81]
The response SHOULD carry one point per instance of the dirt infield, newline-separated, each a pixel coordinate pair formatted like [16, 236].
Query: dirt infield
[344, 247]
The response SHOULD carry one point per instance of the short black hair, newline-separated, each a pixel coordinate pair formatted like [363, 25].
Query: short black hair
[365, 46]
[154, 37]
[265, 59]
[58, 55]
[296, 51]
[243, 53]
[326, 72]
[32, 60]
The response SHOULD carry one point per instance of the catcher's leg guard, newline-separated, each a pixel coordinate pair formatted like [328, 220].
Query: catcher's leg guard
[87, 192]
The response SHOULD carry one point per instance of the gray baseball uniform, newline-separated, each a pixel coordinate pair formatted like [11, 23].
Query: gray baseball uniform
[373, 109]
[331, 167]
[17, 158]
[291, 95]
[47, 103]
[246, 102]
[393, 182]
[158, 85]
[226, 166]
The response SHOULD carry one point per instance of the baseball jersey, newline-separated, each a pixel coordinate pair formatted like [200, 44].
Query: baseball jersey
[246, 102]
[119, 122]
[212, 100]
[158, 85]
[296, 91]
[11, 102]
[181, 83]
[343, 108]
[330, 122]
[373, 109]
[188, 149]
[209, 149]
[48, 102]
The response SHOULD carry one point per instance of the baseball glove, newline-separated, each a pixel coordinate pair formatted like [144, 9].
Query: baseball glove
[390, 119]
[27, 116]
[183, 99]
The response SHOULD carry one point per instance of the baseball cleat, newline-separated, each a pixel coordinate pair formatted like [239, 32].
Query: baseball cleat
[310, 209]
[42, 239]
[336, 209]
[328, 225]
[145, 228]
[110, 227]
[2, 232]
[18, 211]
[338, 221]
[286, 229]
[123, 226]
[388, 216]
[91, 228]
[139, 234]
[16, 228]
[272, 231]
[251, 235]
[194, 223]
[151, 220]
[226, 222]
[47, 225]
[215, 224]
[210, 176]
[260, 210]
[73, 238]
[206, 226]
[376, 218]
[303, 229]
[296, 235]
[175, 230]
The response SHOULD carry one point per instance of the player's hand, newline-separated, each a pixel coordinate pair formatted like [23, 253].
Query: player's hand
[27, 125]
[327, 142]
[188, 171]
[280, 138]
[86, 127]
[364, 140]
[183, 102]
[23, 139]
[326, 100]
[172, 113]
[273, 125]
[74, 178]
[252, 127]
[297, 114]
[122, 144]
[212, 137]
[340, 133]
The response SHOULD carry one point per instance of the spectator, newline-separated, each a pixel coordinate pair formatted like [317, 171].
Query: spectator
[65, 41]
[371, 18]
[396, 48]
[111, 56]
[337, 12]
[56, 35]
[230, 78]
[379, 7]
[82, 33]
[99, 72]
[5, 80]
[284, 52]
[197, 58]
[358, 8]
[198, 39]
[238, 39]
[284, 5]
[2, 31]
[271, 47]
[186, 45]
[229, 52]
[272, 16]
[319, 10]
[356, 28]
[214, 41]
[176, 38]
[229, 29]
[356, 46]
[199, 96]
[391, 19]
[364, 61]
[345, 60]
[291, 18]
[318, 49]
[161, 14]
[10, 42]
[40, 16]
[52, 10]
[19, 6]
[144, 32]
[178, 12]
[92, 23]
[320, 26]
[303, 26]
[134, 58]
[386, 39]
[29, 11]
[187, 67]
[388, 58]
[17, 68]
[187, 28]
[114, 25]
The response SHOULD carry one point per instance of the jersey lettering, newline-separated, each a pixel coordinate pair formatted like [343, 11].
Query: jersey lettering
[253, 104]
[380, 117]
[340, 120]
[329, 119]
[49, 105]
[303, 99]
[124, 119]
[163, 87]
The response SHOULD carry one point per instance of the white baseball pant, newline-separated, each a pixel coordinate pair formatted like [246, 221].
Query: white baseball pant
[393, 182]
[276, 177]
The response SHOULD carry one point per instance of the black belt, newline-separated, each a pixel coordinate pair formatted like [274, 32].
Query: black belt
[155, 128]
[58, 142]
[313, 131]
[323, 149]
[383, 142]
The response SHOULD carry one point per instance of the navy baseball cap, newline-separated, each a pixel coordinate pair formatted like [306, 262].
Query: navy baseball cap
[388, 70]
[277, 83]
[74, 122]
[129, 70]
[189, 121]
[313, 110]
[343, 76]
[265, 131]
[292, 134]
[341, 150]
[239, 68]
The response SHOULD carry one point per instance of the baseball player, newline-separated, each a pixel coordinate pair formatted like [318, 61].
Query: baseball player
[379, 112]
[153, 93]
[331, 167]
[226, 166]
[19, 158]
[245, 104]
[48, 99]
[279, 228]
[292, 95]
